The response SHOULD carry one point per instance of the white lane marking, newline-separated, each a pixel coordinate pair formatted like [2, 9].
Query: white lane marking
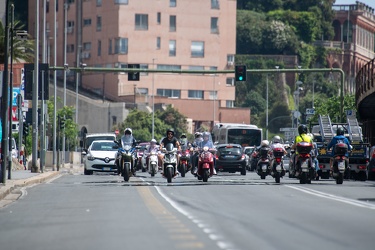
[220, 241]
[334, 197]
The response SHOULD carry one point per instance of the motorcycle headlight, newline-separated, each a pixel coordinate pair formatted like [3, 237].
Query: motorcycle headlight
[127, 147]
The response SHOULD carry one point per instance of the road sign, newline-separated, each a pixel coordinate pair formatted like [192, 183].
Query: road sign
[310, 111]
[287, 129]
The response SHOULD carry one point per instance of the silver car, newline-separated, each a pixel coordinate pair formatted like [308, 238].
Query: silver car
[100, 156]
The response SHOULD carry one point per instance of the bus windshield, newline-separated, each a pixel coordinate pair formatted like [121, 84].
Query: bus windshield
[244, 136]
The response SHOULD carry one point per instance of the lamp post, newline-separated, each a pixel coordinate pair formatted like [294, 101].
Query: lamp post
[297, 114]
[153, 101]
[267, 107]
[313, 90]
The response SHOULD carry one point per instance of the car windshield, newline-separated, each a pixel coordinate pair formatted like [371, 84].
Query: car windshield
[229, 150]
[103, 146]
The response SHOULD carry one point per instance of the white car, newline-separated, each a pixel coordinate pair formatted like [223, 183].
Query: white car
[100, 156]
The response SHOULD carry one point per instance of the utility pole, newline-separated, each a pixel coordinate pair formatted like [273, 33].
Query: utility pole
[5, 100]
[11, 92]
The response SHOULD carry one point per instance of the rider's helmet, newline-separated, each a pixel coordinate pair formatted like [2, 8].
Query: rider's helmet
[171, 130]
[302, 129]
[183, 136]
[265, 143]
[197, 134]
[206, 135]
[340, 131]
[276, 139]
[128, 131]
[153, 142]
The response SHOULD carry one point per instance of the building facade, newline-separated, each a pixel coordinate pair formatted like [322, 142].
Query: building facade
[156, 34]
[354, 41]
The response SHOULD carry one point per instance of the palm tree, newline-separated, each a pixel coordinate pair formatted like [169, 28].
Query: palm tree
[23, 50]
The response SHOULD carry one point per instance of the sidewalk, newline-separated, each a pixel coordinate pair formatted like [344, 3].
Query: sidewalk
[23, 178]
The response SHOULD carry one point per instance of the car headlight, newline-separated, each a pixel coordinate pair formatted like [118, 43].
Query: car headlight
[90, 157]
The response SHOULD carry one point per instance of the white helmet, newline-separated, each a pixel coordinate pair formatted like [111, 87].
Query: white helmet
[265, 143]
[128, 130]
[276, 139]
[153, 141]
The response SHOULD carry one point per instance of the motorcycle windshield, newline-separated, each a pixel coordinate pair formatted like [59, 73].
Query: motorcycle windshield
[126, 141]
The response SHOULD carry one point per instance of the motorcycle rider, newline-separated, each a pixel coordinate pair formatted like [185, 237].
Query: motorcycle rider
[314, 153]
[194, 155]
[205, 143]
[170, 139]
[276, 143]
[339, 138]
[128, 137]
[302, 137]
[153, 148]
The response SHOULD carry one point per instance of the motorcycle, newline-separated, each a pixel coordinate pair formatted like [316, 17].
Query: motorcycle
[126, 159]
[304, 169]
[170, 162]
[263, 165]
[152, 163]
[254, 160]
[205, 164]
[184, 164]
[277, 170]
[340, 162]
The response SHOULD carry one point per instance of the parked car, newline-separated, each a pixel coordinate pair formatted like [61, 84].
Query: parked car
[230, 158]
[100, 156]
[371, 165]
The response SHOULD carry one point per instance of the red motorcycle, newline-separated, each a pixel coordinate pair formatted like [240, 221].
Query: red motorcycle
[205, 164]
[304, 169]
[184, 164]
[263, 165]
[340, 162]
[277, 170]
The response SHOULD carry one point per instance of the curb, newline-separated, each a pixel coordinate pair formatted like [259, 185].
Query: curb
[13, 184]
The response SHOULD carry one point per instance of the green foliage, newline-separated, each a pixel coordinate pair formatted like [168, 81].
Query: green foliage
[23, 50]
[141, 123]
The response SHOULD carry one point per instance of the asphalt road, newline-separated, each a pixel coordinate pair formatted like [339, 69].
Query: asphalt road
[229, 212]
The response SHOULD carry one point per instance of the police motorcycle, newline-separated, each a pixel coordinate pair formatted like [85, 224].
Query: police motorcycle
[126, 157]
[263, 165]
[170, 162]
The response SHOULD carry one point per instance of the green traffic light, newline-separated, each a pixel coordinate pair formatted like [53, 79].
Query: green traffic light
[240, 78]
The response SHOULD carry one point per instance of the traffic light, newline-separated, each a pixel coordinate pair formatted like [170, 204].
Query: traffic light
[240, 73]
[25, 129]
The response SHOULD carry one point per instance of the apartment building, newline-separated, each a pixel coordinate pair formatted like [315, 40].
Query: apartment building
[354, 41]
[157, 34]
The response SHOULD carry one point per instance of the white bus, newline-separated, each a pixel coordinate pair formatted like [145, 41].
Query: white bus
[237, 133]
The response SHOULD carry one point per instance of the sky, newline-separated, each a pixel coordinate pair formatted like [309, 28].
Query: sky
[370, 3]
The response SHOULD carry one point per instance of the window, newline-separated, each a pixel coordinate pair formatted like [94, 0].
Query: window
[197, 49]
[143, 66]
[87, 22]
[168, 67]
[142, 91]
[214, 25]
[172, 47]
[158, 19]
[230, 60]
[141, 21]
[110, 47]
[230, 81]
[172, 23]
[213, 95]
[70, 48]
[171, 93]
[229, 104]
[98, 23]
[195, 94]
[86, 46]
[172, 3]
[121, 1]
[121, 46]
[98, 3]
[215, 4]
[158, 42]
[99, 48]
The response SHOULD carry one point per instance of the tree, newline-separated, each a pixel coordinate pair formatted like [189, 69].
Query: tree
[23, 50]
[174, 119]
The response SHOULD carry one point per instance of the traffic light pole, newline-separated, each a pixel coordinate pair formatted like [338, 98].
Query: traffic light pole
[254, 71]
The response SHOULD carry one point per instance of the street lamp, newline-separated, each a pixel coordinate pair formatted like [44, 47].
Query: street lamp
[267, 107]
[153, 100]
[297, 114]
